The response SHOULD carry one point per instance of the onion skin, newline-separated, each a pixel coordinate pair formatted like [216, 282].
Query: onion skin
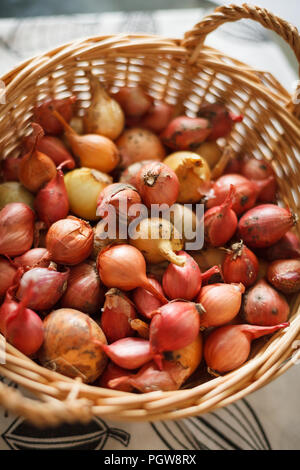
[7, 275]
[208, 257]
[288, 247]
[51, 202]
[220, 303]
[264, 225]
[128, 176]
[48, 286]
[193, 174]
[284, 275]
[70, 241]
[185, 133]
[129, 353]
[12, 191]
[182, 282]
[221, 120]
[53, 147]
[72, 345]
[112, 372]
[220, 222]
[228, 347]
[137, 144]
[83, 187]
[157, 117]
[240, 265]
[32, 258]
[157, 184]
[16, 229]
[117, 195]
[264, 306]
[245, 195]
[83, 279]
[117, 313]
[43, 114]
[145, 302]
[174, 326]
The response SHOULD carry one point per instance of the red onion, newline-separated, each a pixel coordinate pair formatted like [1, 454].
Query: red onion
[7, 275]
[10, 168]
[83, 280]
[120, 196]
[16, 229]
[129, 353]
[117, 313]
[174, 326]
[128, 176]
[157, 184]
[185, 133]
[221, 120]
[240, 265]
[133, 100]
[48, 286]
[157, 117]
[284, 275]
[255, 169]
[111, 373]
[264, 225]
[264, 306]
[51, 202]
[220, 303]
[43, 114]
[53, 148]
[70, 241]
[145, 302]
[34, 257]
[287, 247]
[228, 347]
[220, 222]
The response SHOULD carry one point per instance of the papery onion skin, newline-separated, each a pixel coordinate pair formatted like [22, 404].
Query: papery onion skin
[43, 114]
[72, 345]
[288, 247]
[137, 144]
[145, 302]
[12, 191]
[83, 186]
[284, 275]
[228, 347]
[84, 290]
[264, 225]
[157, 184]
[33, 257]
[182, 282]
[240, 265]
[220, 303]
[117, 313]
[112, 372]
[7, 275]
[48, 286]
[16, 229]
[185, 133]
[70, 241]
[263, 305]
[129, 353]
[118, 195]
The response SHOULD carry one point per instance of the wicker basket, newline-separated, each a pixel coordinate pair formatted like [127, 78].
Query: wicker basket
[183, 72]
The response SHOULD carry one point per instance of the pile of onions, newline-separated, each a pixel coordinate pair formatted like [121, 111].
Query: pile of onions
[69, 241]
[228, 347]
[240, 265]
[118, 311]
[124, 267]
[93, 150]
[263, 305]
[83, 187]
[16, 229]
[105, 115]
[220, 303]
[158, 240]
[157, 184]
[48, 285]
[265, 225]
[193, 174]
[13, 191]
[84, 291]
[139, 144]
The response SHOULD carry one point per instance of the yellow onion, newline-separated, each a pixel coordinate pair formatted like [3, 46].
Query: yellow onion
[93, 150]
[184, 220]
[83, 186]
[105, 115]
[193, 174]
[12, 191]
[211, 152]
[164, 243]
[77, 124]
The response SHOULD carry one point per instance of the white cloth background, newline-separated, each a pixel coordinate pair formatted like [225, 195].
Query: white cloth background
[269, 417]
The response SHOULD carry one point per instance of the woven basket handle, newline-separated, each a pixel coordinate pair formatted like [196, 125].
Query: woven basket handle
[195, 38]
